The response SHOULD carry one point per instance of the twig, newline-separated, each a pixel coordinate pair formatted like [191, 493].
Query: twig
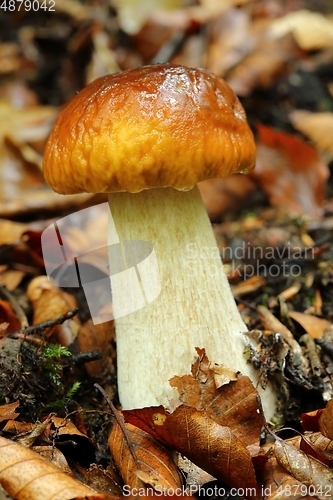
[37, 329]
[120, 422]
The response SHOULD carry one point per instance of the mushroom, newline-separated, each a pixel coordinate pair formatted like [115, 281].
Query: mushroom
[147, 136]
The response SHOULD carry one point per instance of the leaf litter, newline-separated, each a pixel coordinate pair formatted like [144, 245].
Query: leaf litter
[281, 219]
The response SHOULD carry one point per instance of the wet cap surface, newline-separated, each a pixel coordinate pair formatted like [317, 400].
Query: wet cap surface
[154, 126]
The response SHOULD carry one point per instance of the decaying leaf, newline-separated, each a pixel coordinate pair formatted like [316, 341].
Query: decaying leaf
[100, 337]
[209, 445]
[8, 316]
[25, 475]
[261, 67]
[304, 468]
[142, 460]
[316, 126]
[326, 420]
[277, 483]
[311, 30]
[310, 420]
[199, 427]
[7, 412]
[290, 172]
[50, 302]
[313, 325]
[220, 195]
[232, 403]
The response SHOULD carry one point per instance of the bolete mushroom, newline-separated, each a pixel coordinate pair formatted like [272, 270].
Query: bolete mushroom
[147, 136]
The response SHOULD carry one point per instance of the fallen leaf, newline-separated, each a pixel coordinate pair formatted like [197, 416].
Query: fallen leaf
[326, 420]
[278, 484]
[318, 127]
[206, 398]
[50, 302]
[7, 412]
[304, 468]
[209, 445]
[314, 326]
[7, 315]
[312, 30]
[142, 461]
[290, 172]
[132, 14]
[25, 475]
[220, 195]
[232, 403]
[310, 420]
[100, 337]
[195, 477]
[263, 66]
[230, 40]
[54, 456]
[317, 449]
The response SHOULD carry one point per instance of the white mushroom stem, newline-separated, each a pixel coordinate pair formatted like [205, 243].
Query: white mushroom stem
[195, 307]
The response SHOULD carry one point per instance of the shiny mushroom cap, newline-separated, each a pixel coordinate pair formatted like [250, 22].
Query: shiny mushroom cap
[154, 126]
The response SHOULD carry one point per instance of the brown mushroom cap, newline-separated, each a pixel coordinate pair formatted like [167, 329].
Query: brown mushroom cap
[154, 126]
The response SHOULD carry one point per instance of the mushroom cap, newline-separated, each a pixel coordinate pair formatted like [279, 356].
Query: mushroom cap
[154, 126]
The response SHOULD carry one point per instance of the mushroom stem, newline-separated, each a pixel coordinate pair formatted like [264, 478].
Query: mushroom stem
[195, 307]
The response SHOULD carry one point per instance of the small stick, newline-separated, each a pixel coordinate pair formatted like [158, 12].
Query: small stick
[120, 422]
[30, 330]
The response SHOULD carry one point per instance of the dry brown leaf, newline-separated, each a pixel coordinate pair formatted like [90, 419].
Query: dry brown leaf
[195, 477]
[209, 445]
[220, 195]
[290, 172]
[11, 278]
[278, 484]
[261, 68]
[232, 403]
[326, 420]
[207, 397]
[314, 326]
[310, 420]
[14, 427]
[132, 14]
[250, 285]
[230, 40]
[312, 30]
[50, 302]
[210, 9]
[25, 475]
[100, 337]
[10, 59]
[8, 316]
[7, 412]
[10, 231]
[321, 443]
[316, 126]
[304, 468]
[143, 461]
[54, 456]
